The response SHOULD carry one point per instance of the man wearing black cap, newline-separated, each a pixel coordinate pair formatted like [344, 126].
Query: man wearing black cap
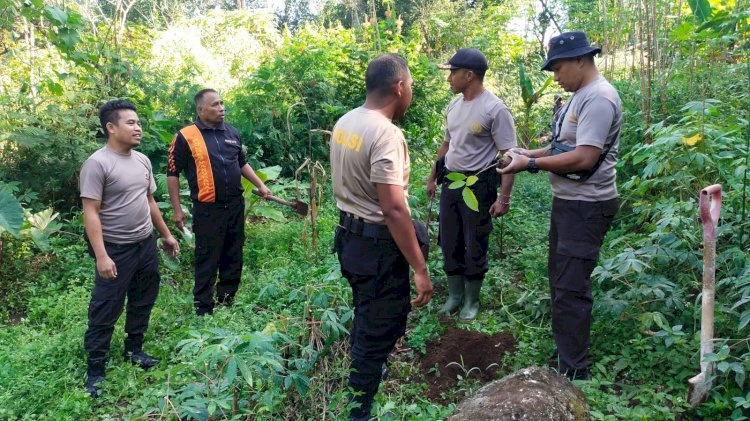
[477, 126]
[580, 160]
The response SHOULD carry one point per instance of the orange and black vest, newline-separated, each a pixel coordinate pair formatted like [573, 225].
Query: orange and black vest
[211, 158]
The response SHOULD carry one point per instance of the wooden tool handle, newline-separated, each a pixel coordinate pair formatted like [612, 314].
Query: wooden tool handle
[274, 198]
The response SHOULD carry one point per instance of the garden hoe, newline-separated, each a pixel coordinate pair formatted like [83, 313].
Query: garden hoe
[300, 207]
[710, 207]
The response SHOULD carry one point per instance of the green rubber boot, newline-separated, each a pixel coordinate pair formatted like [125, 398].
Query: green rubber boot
[471, 301]
[455, 295]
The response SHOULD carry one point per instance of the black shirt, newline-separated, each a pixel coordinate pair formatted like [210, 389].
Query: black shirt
[224, 149]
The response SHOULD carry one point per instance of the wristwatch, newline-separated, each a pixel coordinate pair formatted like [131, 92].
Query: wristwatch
[531, 167]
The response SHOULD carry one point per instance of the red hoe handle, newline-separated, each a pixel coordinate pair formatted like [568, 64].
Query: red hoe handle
[710, 206]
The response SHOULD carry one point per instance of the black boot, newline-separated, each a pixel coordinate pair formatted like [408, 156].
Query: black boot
[136, 356]
[95, 375]
[142, 359]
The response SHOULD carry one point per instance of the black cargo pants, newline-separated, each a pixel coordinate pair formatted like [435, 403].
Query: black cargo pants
[219, 230]
[577, 229]
[138, 279]
[379, 277]
[464, 233]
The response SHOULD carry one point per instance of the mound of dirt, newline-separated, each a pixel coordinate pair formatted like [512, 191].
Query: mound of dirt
[467, 350]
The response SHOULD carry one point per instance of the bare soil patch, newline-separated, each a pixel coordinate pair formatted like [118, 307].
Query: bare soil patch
[467, 350]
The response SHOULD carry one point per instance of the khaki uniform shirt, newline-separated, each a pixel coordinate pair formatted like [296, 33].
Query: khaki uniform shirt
[476, 131]
[366, 148]
[592, 117]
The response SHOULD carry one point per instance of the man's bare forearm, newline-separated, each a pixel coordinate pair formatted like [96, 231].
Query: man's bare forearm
[173, 188]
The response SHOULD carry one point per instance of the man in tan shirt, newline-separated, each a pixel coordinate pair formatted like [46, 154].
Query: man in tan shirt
[375, 240]
[581, 162]
[120, 214]
[478, 125]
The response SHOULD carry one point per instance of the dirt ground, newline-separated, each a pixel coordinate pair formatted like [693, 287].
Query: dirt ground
[475, 349]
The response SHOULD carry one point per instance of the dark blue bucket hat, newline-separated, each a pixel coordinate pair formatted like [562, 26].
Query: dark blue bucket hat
[568, 45]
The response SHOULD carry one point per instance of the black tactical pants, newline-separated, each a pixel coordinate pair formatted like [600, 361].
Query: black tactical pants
[464, 233]
[138, 279]
[219, 237]
[577, 229]
[379, 276]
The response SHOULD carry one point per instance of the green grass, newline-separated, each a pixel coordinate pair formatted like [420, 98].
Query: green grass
[292, 299]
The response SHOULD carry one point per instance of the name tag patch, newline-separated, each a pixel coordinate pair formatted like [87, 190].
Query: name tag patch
[231, 141]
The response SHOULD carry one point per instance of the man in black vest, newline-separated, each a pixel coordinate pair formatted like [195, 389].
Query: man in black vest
[210, 153]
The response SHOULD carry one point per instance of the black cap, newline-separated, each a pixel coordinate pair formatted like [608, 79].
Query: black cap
[568, 45]
[466, 58]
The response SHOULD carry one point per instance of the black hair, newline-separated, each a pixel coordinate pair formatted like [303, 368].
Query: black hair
[384, 71]
[199, 96]
[479, 74]
[110, 112]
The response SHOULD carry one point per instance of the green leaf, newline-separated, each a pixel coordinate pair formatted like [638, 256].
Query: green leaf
[455, 176]
[68, 36]
[471, 180]
[231, 370]
[246, 374]
[544, 86]
[710, 357]
[269, 173]
[456, 184]
[701, 9]
[267, 211]
[744, 319]
[470, 200]
[41, 239]
[527, 90]
[212, 408]
[44, 220]
[55, 14]
[11, 213]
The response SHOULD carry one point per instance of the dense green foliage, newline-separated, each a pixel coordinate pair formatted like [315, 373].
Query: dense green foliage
[280, 352]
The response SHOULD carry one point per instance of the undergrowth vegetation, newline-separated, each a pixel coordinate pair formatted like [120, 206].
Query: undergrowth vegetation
[281, 351]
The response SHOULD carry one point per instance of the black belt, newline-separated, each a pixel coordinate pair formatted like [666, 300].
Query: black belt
[357, 226]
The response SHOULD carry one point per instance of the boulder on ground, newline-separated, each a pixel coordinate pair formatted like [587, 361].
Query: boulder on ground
[532, 393]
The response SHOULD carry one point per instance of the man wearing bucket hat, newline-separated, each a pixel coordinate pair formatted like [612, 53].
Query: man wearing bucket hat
[580, 160]
[478, 125]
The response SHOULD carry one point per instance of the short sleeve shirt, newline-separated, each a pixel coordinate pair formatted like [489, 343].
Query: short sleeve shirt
[122, 182]
[476, 131]
[366, 149]
[592, 117]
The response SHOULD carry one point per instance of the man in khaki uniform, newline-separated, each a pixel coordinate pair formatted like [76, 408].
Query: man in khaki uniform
[375, 240]
[581, 162]
[478, 125]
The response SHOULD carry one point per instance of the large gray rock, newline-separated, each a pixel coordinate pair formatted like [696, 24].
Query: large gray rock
[530, 394]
